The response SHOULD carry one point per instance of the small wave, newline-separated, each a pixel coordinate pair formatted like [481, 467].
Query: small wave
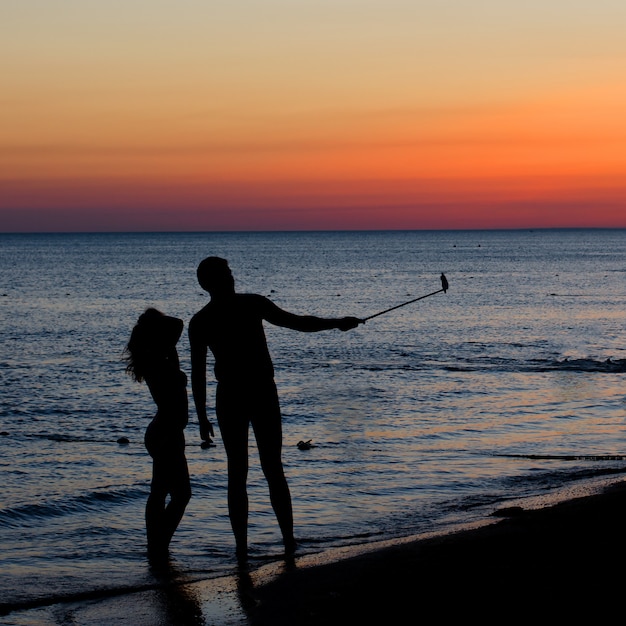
[557, 478]
[33, 513]
[543, 482]
[404, 362]
[579, 365]
[568, 457]
[63, 438]
[609, 366]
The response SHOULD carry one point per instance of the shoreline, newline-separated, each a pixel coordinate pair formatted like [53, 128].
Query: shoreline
[556, 560]
[538, 557]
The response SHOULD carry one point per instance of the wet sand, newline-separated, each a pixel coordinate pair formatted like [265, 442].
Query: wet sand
[564, 562]
[556, 563]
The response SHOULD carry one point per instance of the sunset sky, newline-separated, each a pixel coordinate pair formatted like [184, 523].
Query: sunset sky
[311, 114]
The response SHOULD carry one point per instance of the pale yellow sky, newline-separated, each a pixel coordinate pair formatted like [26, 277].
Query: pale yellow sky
[310, 89]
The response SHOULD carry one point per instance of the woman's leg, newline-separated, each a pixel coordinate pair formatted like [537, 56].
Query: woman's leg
[158, 491]
[155, 507]
[170, 476]
[179, 489]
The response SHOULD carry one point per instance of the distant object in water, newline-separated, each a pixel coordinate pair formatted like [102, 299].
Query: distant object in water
[207, 444]
[123, 441]
[305, 445]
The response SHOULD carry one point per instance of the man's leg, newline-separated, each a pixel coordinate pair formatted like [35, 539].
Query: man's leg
[268, 432]
[234, 432]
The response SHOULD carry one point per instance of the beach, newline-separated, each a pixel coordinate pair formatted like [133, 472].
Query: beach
[501, 393]
[559, 562]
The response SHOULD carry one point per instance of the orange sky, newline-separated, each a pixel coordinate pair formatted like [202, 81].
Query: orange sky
[156, 115]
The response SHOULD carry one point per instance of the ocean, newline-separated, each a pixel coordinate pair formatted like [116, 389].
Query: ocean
[510, 385]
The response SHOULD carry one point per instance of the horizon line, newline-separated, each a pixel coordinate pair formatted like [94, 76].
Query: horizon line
[310, 230]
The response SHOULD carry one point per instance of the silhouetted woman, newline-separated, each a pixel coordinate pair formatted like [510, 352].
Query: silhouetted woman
[152, 356]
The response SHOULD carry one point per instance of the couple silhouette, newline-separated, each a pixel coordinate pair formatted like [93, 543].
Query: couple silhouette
[230, 326]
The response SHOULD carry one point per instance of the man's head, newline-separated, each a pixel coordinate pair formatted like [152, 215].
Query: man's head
[215, 276]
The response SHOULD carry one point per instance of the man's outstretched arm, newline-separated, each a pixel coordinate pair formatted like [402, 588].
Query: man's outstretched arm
[307, 323]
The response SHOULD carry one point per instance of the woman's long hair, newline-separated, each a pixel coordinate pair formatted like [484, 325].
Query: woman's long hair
[139, 351]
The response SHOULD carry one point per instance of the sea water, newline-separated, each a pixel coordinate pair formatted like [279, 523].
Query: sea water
[511, 384]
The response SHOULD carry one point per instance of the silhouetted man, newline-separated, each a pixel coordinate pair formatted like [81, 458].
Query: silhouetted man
[231, 325]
